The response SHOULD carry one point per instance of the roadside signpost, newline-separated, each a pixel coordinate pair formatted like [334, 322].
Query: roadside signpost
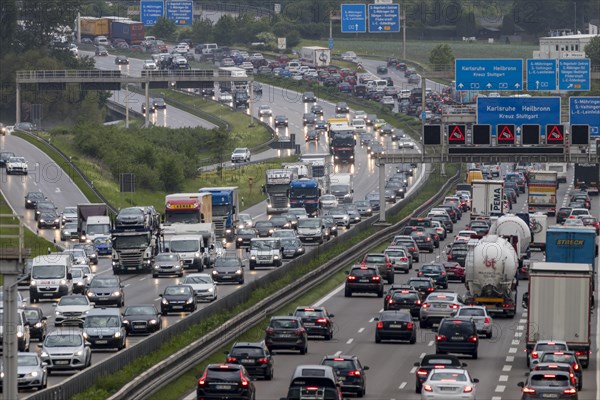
[384, 18]
[541, 74]
[150, 11]
[574, 74]
[518, 111]
[181, 12]
[354, 18]
[585, 111]
[489, 74]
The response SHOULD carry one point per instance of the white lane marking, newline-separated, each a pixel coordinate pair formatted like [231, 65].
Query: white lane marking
[523, 321]
[413, 370]
[520, 328]
[500, 389]
[337, 353]
[144, 278]
[493, 398]
[157, 299]
[503, 378]
[57, 190]
[361, 330]
[381, 310]
[430, 343]
[524, 314]
[518, 334]
[350, 341]
[516, 342]
[510, 358]
[402, 385]
[372, 319]
[507, 368]
[422, 355]
[512, 350]
[35, 183]
[129, 284]
[329, 295]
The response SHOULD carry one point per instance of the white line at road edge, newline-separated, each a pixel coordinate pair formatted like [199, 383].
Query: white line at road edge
[329, 295]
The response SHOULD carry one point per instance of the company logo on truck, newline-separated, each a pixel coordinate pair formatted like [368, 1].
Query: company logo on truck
[497, 201]
[570, 242]
[489, 263]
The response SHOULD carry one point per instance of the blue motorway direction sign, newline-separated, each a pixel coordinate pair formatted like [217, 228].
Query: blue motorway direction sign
[518, 111]
[585, 111]
[181, 12]
[541, 74]
[574, 74]
[150, 11]
[489, 74]
[354, 18]
[384, 18]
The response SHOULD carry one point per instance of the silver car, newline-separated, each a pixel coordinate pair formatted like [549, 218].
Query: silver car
[31, 372]
[445, 384]
[400, 258]
[480, 316]
[437, 306]
[167, 264]
[205, 289]
[66, 349]
[340, 216]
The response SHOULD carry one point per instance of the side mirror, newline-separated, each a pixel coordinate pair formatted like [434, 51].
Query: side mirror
[417, 270]
[464, 365]
[69, 276]
[520, 384]
[417, 364]
[54, 304]
[475, 380]
[160, 295]
[88, 344]
[44, 318]
[376, 319]
[366, 367]
[331, 315]
[121, 286]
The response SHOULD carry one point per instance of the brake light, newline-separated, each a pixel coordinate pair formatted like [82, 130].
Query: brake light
[443, 274]
[422, 372]
[409, 325]
[322, 320]
[418, 302]
[534, 354]
[299, 331]
[231, 359]
[202, 380]
[425, 305]
[351, 278]
[428, 239]
[472, 339]
[430, 289]
[387, 297]
[449, 257]
[413, 249]
[312, 388]
[419, 273]
[403, 259]
[354, 373]
[559, 353]
[263, 360]
[468, 389]
[440, 338]
[487, 320]
[391, 301]
[338, 359]
[380, 325]
[376, 278]
[427, 388]
[528, 390]
[270, 331]
[404, 291]
[575, 367]
[570, 391]
[454, 306]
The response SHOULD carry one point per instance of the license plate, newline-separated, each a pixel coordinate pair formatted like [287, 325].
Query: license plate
[395, 326]
[247, 360]
[226, 277]
[363, 280]
[223, 387]
[449, 273]
[342, 378]
[550, 395]
[102, 298]
[439, 306]
[101, 341]
[177, 307]
[457, 338]
[61, 362]
[285, 335]
[309, 324]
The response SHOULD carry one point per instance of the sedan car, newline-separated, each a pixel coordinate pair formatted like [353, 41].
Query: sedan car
[4, 156]
[435, 271]
[72, 310]
[328, 201]
[309, 119]
[541, 385]
[32, 373]
[243, 237]
[438, 306]
[121, 60]
[350, 371]
[280, 120]
[454, 271]
[101, 51]
[141, 319]
[228, 270]
[204, 287]
[264, 228]
[264, 111]
[103, 245]
[316, 109]
[167, 264]
[177, 298]
[66, 350]
[48, 219]
[149, 65]
[292, 247]
[399, 257]
[32, 198]
[106, 290]
[444, 384]
[37, 322]
[395, 325]
[16, 165]
[434, 361]
[159, 103]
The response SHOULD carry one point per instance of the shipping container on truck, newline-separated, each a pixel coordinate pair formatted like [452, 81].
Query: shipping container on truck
[92, 27]
[131, 31]
[560, 169]
[559, 308]
[587, 176]
[315, 56]
[487, 198]
[542, 192]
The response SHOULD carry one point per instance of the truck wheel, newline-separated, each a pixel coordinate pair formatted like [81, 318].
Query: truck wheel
[252, 266]
[585, 363]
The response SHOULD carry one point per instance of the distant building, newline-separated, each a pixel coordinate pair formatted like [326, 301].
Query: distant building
[566, 46]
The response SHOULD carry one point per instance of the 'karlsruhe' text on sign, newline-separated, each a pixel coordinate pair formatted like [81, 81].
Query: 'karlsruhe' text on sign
[518, 111]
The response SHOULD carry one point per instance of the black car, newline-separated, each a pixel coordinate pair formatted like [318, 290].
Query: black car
[121, 60]
[458, 252]
[410, 244]
[280, 222]
[280, 120]
[480, 227]
[457, 335]
[541, 384]
[395, 325]
[398, 187]
[106, 290]
[387, 129]
[48, 219]
[316, 321]
[350, 371]
[433, 361]
[309, 97]
[286, 333]
[316, 109]
[292, 247]
[424, 285]
[42, 206]
[225, 381]
[320, 125]
[312, 135]
[435, 271]
[330, 225]
[342, 108]
[255, 357]
[159, 103]
[363, 279]
[37, 322]
[309, 119]
[382, 69]
[423, 241]
[403, 297]
[141, 319]
[562, 214]
[228, 269]
[32, 198]
[243, 237]
[264, 228]
[177, 298]
[4, 156]
[209, 91]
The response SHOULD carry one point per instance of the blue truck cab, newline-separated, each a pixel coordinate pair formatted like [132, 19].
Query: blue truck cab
[225, 209]
[305, 193]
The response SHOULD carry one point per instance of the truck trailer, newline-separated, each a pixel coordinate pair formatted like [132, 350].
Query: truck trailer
[587, 176]
[225, 208]
[277, 185]
[541, 195]
[487, 198]
[315, 56]
[92, 221]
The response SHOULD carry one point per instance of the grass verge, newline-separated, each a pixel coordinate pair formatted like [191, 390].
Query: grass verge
[186, 383]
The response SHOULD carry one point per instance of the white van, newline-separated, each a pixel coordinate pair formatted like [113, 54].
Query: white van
[209, 48]
[96, 226]
[293, 66]
[560, 169]
[380, 85]
[191, 250]
[50, 277]
[101, 41]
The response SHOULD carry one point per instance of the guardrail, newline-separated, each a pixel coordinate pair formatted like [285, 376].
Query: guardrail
[168, 369]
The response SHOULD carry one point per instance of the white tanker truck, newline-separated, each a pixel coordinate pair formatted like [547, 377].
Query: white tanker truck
[490, 269]
[516, 231]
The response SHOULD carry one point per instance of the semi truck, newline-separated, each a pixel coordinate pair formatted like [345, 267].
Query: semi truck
[225, 209]
[188, 208]
[92, 27]
[560, 169]
[112, 27]
[490, 275]
[305, 193]
[92, 221]
[321, 167]
[342, 147]
[572, 245]
[541, 195]
[315, 56]
[559, 306]
[587, 176]
[277, 184]
[134, 248]
[342, 187]
[516, 232]
[487, 198]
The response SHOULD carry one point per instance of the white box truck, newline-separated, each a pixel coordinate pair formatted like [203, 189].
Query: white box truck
[315, 56]
[487, 198]
[560, 297]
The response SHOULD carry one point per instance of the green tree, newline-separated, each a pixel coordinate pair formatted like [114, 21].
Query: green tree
[164, 28]
[292, 39]
[508, 25]
[441, 54]
[224, 30]
[202, 31]
[592, 50]
[170, 173]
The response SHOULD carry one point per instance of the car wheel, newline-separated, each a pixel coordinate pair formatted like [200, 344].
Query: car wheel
[412, 340]
[475, 356]
[347, 293]
[154, 275]
[49, 372]
[390, 279]
[377, 339]
[431, 250]
[328, 335]
[417, 389]
[380, 293]
[361, 392]
[252, 266]
[488, 335]
[304, 350]
[445, 286]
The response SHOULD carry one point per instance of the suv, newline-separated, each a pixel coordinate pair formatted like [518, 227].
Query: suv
[423, 241]
[400, 258]
[562, 214]
[434, 361]
[363, 279]
[316, 321]
[382, 262]
[435, 271]
[104, 328]
[238, 383]
[342, 108]
[541, 384]
[409, 242]
[32, 198]
[542, 346]
[457, 335]
[66, 350]
[255, 357]
[106, 290]
[72, 310]
[438, 306]
[403, 297]
[241, 154]
[424, 285]
[21, 330]
[314, 382]
[286, 333]
[350, 371]
[457, 251]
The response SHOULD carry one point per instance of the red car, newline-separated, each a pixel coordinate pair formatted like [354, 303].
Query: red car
[454, 271]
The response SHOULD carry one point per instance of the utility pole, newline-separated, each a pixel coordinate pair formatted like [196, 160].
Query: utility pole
[403, 19]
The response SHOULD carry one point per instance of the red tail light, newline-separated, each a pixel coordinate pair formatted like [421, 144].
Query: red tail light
[387, 297]
[428, 239]
[570, 391]
[202, 380]
[418, 302]
[403, 259]
[270, 331]
[231, 359]
[440, 338]
[299, 331]
[351, 278]
[419, 273]
[430, 289]
[311, 388]
[413, 249]
[390, 301]
[354, 373]
[472, 339]
[409, 325]
[427, 388]
[534, 354]
[425, 305]
[376, 278]
[244, 380]
[575, 367]
[528, 390]
[422, 372]
[380, 325]
[487, 320]
[454, 306]
[468, 389]
[322, 320]
[443, 274]
[449, 257]
[263, 360]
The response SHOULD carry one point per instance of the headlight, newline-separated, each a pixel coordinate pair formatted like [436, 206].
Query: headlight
[275, 257]
[215, 272]
[369, 210]
[44, 354]
[56, 221]
[156, 267]
[210, 290]
[57, 312]
[85, 335]
[238, 272]
[165, 301]
[90, 294]
[79, 353]
[2, 375]
[116, 293]
[239, 239]
[80, 283]
[270, 230]
[189, 301]
[196, 254]
[32, 283]
[29, 201]
[227, 230]
[251, 257]
[38, 325]
[153, 322]
[125, 321]
[177, 266]
[117, 334]
[41, 220]
[19, 334]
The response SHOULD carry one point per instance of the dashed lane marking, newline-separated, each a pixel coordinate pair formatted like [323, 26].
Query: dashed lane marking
[422, 355]
[510, 358]
[413, 370]
[512, 350]
[361, 330]
[337, 353]
[507, 368]
[402, 385]
[503, 378]
[516, 342]
[500, 389]
[350, 341]
[430, 343]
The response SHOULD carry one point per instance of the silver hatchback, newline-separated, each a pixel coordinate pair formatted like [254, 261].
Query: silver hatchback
[66, 349]
[437, 306]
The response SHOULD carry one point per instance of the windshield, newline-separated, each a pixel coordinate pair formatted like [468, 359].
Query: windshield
[101, 321]
[184, 245]
[304, 192]
[220, 210]
[27, 360]
[76, 273]
[448, 377]
[339, 188]
[178, 291]
[309, 223]
[139, 310]
[166, 257]
[182, 216]
[278, 187]
[104, 283]
[84, 270]
[418, 284]
[197, 280]
[130, 242]
[48, 272]
[98, 229]
[66, 340]
[549, 380]
[73, 301]
[263, 245]
[471, 312]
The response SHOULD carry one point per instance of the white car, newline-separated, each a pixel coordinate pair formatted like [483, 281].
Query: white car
[387, 101]
[16, 165]
[69, 214]
[444, 384]
[82, 282]
[149, 65]
[359, 123]
[465, 235]
[225, 97]
[328, 201]
[203, 285]
[404, 94]
[78, 255]
[264, 111]
[241, 154]
[72, 310]
[406, 144]
[245, 221]
[182, 48]
[480, 316]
